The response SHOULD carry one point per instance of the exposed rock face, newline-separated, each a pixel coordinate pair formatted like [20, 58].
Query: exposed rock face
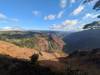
[49, 43]
[42, 44]
[60, 43]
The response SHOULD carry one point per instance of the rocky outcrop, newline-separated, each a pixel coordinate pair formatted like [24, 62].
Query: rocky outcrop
[49, 42]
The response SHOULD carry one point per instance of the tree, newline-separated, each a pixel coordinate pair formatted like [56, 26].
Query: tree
[93, 25]
[34, 58]
[98, 16]
[96, 6]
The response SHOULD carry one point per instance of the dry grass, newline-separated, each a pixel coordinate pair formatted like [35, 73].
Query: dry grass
[25, 53]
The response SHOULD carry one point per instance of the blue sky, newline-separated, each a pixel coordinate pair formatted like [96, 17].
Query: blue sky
[67, 15]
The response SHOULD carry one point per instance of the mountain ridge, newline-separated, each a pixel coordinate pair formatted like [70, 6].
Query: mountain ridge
[86, 39]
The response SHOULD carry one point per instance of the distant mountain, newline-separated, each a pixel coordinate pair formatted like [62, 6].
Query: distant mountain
[27, 34]
[87, 39]
[93, 25]
[40, 40]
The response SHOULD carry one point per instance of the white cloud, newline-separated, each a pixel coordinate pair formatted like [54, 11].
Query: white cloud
[92, 2]
[3, 16]
[16, 28]
[90, 15]
[78, 10]
[55, 26]
[35, 13]
[14, 19]
[67, 24]
[50, 17]
[73, 1]
[63, 3]
[60, 14]
[54, 16]
[70, 22]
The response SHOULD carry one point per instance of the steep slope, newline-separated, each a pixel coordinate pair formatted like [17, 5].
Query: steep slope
[43, 40]
[88, 61]
[15, 51]
[87, 39]
[25, 53]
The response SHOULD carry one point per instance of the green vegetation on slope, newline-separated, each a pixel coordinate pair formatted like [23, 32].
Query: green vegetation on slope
[39, 41]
